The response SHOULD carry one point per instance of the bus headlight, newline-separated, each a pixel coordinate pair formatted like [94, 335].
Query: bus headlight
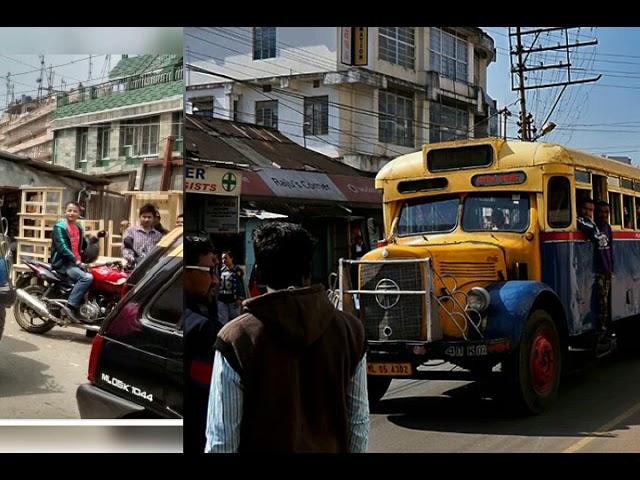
[478, 299]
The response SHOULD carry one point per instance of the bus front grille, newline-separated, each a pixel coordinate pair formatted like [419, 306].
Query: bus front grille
[392, 317]
[475, 270]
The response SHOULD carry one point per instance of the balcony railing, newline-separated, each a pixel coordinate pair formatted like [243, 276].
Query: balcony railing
[119, 86]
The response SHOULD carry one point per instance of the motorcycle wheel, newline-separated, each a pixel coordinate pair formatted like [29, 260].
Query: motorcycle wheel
[27, 318]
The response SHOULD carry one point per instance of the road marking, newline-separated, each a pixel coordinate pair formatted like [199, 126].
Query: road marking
[607, 426]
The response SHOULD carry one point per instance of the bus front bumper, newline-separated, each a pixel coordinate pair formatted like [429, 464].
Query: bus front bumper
[402, 359]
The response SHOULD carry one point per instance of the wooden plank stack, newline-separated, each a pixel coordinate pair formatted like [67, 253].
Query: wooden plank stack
[40, 209]
[169, 203]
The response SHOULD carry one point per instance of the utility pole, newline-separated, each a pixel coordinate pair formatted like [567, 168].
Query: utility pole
[50, 80]
[41, 77]
[505, 114]
[519, 68]
[8, 90]
[521, 88]
[89, 68]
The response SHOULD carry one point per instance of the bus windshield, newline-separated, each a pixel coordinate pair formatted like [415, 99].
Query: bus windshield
[428, 215]
[507, 212]
[495, 211]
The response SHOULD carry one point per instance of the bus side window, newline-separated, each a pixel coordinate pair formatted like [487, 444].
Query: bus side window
[614, 208]
[581, 195]
[628, 215]
[559, 202]
[637, 210]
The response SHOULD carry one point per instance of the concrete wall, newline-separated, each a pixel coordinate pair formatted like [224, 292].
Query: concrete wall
[66, 148]
[67, 145]
[229, 51]
[353, 117]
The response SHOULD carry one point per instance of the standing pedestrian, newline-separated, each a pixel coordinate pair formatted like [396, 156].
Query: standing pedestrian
[289, 375]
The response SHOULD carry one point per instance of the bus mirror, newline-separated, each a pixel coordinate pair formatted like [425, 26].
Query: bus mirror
[529, 236]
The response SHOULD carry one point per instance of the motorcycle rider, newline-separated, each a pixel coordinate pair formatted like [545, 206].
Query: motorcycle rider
[67, 246]
[138, 240]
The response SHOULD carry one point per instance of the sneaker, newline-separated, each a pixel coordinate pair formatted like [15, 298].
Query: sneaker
[603, 347]
[72, 311]
[607, 344]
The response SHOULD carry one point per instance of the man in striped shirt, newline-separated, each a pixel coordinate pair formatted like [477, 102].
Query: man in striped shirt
[289, 375]
[142, 236]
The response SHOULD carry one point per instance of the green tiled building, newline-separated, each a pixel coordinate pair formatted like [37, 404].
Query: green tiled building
[123, 125]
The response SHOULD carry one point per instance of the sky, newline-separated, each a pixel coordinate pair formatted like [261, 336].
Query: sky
[68, 50]
[72, 69]
[601, 117]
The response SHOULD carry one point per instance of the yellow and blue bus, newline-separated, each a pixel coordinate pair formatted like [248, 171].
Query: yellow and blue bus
[482, 264]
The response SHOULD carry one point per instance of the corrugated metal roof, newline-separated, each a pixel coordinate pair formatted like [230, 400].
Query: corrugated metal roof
[254, 146]
[55, 169]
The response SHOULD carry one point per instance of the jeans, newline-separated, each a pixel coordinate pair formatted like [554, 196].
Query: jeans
[83, 282]
[227, 311]
[603, 290]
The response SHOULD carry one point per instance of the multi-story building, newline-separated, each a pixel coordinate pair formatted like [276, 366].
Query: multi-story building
[122, 129]
[25, 128]
[361, 94]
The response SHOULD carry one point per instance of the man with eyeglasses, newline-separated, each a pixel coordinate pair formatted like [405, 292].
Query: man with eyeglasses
[201, 328]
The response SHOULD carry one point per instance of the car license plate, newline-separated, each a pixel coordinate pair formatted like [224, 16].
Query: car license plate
[399, 369]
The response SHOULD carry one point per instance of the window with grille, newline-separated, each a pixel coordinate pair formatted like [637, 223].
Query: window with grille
[395, 123]
[447, 123]
[103, 143]
[82, 139]
[397, 45]
[202, 106]
[177, 126]
[264, 42]
[267, 113]
[316, 115]
[139, 137]
[448, 54]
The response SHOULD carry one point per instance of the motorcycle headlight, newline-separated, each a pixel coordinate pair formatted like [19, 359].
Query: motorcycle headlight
[478, 299]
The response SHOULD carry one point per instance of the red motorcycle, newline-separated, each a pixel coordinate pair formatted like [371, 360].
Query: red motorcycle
[42, 295]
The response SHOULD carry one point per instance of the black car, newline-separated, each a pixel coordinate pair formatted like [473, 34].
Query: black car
[136, 362]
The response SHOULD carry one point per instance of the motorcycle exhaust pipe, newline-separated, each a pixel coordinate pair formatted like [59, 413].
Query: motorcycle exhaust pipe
[84, 326]
[34, 303]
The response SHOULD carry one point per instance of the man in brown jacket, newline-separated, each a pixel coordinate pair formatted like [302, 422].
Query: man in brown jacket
[290, 373]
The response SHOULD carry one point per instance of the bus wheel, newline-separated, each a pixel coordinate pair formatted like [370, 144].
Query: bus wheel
[533, 370]
[376, 388]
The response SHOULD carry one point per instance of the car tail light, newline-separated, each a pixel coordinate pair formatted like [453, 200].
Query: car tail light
[382, 243]
[96, 348]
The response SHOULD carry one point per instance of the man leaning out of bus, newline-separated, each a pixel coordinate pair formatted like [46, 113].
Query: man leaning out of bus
[599, 232]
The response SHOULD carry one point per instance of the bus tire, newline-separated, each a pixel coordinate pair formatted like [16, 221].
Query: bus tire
[533, 370]
[376, 388]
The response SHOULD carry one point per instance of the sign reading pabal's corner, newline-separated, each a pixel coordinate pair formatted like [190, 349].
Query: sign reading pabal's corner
[212, 180]
[300, 184]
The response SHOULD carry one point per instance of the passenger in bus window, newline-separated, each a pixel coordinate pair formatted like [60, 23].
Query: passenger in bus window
[585, 220]
[497, 219]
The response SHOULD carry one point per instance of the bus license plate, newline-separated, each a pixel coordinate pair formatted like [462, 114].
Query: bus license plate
[399, 369]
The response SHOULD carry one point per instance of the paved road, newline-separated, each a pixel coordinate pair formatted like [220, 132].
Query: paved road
[598, 411]
[39, 374]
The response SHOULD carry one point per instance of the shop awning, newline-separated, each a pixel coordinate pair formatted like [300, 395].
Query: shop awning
[283, 183]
